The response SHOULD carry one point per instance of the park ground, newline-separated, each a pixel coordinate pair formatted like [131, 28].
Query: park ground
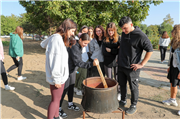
[31, 97]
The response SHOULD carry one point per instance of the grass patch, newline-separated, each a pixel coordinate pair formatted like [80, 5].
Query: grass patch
[157, 98]
[38, 92]
[5, 43]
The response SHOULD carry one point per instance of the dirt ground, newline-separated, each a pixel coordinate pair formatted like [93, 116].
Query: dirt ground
[31, 97]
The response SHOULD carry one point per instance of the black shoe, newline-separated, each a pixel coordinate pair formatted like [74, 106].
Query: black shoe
[62, 114]
[74, 107]
[122, 104]
[131, 110]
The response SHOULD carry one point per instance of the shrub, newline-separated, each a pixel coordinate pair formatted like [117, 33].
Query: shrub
[5, 43]
[155, 41]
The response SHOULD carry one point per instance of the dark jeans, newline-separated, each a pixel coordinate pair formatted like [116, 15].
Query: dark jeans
[132, 77]
[16, 64]
[3, 73]
[70, 91]
[163, 52]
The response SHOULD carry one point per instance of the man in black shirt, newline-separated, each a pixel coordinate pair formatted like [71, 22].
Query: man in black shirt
[133, 42]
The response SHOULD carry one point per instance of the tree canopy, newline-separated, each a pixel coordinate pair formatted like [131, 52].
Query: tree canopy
[47, 14]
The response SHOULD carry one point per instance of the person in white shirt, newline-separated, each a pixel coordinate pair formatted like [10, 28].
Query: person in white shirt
[163, 44]
[57, 70]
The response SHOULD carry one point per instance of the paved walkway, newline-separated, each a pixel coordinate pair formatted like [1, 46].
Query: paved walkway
[155, 73]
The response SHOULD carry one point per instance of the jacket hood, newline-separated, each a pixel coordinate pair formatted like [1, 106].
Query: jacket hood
[136, 30]
[44, 43]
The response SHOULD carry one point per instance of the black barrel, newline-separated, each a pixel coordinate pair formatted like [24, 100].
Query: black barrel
[98, 99]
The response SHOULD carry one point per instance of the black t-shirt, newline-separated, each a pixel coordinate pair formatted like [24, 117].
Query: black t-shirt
[132, 46]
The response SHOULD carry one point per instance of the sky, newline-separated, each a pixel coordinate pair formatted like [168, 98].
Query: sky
[155, 17]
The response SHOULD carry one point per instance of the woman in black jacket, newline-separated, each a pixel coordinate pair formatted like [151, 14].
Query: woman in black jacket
[110, 48]
[75, 59]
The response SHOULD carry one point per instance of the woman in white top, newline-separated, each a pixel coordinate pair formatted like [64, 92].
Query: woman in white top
[57, 70]
[163, 44]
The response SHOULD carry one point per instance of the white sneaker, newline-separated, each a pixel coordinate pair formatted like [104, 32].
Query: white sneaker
[75, 89]
[21, 78]
[178, 113]
[9, 88]
[59, 117]
[79, 92]
[170, 102]
[119, 96]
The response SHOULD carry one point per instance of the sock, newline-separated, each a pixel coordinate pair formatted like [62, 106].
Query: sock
[123, 101]
[70, 103]
[173, 99]
[6, 85]
[60, 108]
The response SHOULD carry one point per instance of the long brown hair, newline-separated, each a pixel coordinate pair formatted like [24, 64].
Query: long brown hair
[19, 31]
[92, 30]
[103, 32]
[164, 34]
[175, 42]
[66, 25]
[115, 35]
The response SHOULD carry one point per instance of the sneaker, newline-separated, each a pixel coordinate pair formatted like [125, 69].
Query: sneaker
[58, 117]
[21, 78]
[79, 92]
[62, 114]
[74, 107]
[160, 62]
[122, 104]
[119, 96]
[178, 113]
[9, 88]
[131, 110]
[170, 102]
[75, 89]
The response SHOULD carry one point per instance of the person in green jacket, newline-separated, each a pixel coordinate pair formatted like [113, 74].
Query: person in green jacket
[16, 51]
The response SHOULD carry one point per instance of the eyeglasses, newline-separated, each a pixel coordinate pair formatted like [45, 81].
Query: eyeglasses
[99, 31]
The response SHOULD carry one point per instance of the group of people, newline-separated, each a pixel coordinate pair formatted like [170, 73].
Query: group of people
[70, 59]
[16, 52]
[106, 49]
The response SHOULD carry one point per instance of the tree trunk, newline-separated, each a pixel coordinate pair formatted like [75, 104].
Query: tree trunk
[33, 36]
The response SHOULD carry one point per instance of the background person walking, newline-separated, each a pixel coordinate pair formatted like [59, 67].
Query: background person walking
[16, 51]
[163, 44]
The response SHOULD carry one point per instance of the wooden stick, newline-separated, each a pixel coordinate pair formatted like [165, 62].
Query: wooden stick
[102, 77]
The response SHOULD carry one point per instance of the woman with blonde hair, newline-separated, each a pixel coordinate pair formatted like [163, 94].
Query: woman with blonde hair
[90, 32]
[174, 66]
[110, 50]
[16, 51]
[163, 44]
